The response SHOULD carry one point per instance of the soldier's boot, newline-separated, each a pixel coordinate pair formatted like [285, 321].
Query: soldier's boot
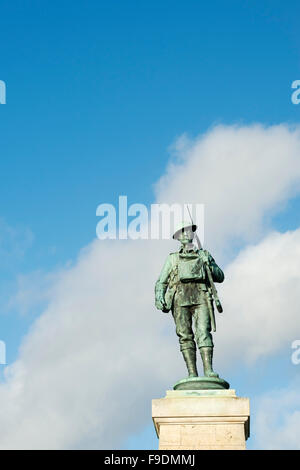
[189, 356]
[206, 356]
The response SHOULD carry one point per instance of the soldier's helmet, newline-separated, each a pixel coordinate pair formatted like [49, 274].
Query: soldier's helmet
[182, 227]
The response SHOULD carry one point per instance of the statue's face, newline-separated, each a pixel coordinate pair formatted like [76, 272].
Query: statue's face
[186, 236]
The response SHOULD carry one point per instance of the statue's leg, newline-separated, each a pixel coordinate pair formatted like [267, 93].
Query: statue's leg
[207, 357]
[189, 356]
[184, 331]
[204, 338]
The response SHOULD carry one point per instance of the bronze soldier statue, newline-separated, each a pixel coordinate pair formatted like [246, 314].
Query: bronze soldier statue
[185, 286]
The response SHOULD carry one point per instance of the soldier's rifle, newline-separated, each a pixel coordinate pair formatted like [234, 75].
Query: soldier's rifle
[210, 279]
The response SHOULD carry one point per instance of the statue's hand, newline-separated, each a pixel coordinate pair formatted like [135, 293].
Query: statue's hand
[160, 302]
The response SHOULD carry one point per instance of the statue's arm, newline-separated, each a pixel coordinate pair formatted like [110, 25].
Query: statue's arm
[162, 284]
[216, 271]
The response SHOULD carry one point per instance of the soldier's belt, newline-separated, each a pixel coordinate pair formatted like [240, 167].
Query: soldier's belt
[192, 281]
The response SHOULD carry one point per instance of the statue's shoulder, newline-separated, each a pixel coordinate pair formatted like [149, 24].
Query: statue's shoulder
[204, 251]
[173, 257]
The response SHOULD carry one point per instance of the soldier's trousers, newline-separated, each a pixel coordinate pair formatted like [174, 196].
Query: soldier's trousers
[193, 324]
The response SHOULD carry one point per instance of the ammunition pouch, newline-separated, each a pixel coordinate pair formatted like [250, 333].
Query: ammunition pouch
[191, 269]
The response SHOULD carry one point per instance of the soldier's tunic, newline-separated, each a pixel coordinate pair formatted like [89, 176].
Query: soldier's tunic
[184, 285]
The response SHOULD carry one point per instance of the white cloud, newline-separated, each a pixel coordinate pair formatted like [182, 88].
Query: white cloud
[277, 419]
[239, 173]
[33, 291]
[14, 242]
[95, 358]
[261, 298]
[100, 351]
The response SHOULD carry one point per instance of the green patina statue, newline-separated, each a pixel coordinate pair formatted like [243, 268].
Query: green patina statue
[186, 287]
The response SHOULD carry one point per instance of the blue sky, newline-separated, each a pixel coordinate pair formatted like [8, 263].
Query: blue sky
[97, 92]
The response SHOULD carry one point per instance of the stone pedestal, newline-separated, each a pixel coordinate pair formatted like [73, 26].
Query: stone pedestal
[201, 419]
